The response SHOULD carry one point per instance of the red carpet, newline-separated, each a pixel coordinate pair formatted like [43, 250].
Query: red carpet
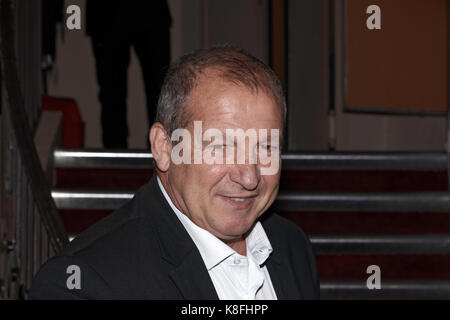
[399, 267]
[317, 223]
[320, 181]
[370, 222]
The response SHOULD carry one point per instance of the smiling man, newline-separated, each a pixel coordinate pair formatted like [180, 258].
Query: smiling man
[199, 229]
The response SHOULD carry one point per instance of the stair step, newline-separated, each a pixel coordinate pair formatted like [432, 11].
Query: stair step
[363, 181]
[100, 179]
[381, 244]
[369, 223]
[80, 209]
[307, 181]
[319, 171]
[334, 223]
[101, 158]
[392, 266]
[76, 221]
[436, 161]
[375, 202]
[393, 289]
[355, 286]
[89, 199]
[286, 201]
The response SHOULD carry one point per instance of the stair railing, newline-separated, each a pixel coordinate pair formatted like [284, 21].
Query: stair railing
[31, 230]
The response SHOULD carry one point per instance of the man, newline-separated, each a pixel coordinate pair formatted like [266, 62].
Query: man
[114, 27]
[197, 230]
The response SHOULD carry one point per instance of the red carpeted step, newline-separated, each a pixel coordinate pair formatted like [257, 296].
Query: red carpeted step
[336, 223]
[99, 178]
[326, 181]
[363, 181]
[370, 222]
[76, 221]
[391, 266]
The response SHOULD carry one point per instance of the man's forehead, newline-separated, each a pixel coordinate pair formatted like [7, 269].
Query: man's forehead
[209, 81]
[214, 93]
[223, 115]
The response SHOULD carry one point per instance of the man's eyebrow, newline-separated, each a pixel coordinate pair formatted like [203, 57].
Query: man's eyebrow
[222, 131]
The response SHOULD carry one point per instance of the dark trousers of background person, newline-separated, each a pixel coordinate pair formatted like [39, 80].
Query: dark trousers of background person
[112, 56]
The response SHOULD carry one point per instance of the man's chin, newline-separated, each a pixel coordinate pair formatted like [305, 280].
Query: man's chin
[234, 231]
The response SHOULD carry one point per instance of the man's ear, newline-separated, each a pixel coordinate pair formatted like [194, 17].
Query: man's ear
[161, 146]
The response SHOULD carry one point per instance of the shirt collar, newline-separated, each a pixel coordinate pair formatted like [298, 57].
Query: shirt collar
[258, 244]
[212, 249]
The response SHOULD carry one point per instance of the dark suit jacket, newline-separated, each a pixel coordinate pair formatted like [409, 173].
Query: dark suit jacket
[142, 251]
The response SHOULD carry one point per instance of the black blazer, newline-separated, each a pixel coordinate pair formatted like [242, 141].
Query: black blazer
[142, 251]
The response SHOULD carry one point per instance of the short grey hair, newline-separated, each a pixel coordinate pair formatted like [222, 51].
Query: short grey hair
[233, 64]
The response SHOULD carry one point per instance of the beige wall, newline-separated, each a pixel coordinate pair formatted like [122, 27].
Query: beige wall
[308, 95]
[381, 132]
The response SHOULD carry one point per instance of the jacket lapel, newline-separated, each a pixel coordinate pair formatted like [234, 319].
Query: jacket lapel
[283, 276]
[192, 279]
[189, 272]
[283, 280]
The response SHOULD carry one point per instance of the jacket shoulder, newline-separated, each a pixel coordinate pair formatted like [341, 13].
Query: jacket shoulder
[106, 255]
[68, 278]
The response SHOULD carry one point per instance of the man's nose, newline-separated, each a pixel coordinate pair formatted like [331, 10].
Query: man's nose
[247, 175]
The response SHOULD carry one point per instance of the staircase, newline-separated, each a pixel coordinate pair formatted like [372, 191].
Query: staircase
[359, 209]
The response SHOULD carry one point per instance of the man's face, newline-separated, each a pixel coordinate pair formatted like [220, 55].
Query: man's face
[226, 199]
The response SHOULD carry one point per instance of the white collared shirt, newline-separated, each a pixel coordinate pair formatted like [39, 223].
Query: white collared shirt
[235, 277]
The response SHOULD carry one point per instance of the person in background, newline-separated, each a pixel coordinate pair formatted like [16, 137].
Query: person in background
[51, 15]
[114, 27]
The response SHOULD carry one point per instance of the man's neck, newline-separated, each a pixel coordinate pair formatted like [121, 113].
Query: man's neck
[238, 245]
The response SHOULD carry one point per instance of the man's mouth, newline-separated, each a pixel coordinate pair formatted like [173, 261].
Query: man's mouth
[239, 202]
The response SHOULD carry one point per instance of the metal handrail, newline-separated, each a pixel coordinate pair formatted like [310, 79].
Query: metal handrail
[426, 161]
[286, 201]
[370, 161]
[367, 202]
[390, 289]
[381, 244]
[89, 199]
[100, 158]
[35, 230]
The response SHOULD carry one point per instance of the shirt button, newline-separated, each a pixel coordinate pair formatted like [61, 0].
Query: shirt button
[237, 260]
